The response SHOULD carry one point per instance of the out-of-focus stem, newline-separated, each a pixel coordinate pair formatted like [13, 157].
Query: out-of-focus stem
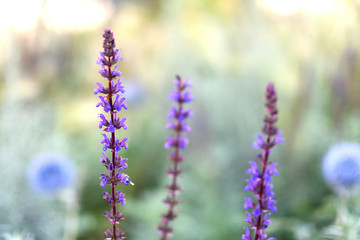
[72, 212]
[265, 161]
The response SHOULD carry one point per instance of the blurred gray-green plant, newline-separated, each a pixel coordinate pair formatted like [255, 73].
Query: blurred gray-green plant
[18, 236]
[347, 223]
[341, 170]
[26, 129]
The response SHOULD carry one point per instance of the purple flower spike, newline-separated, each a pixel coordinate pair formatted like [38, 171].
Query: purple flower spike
[177, 117]
[260, 179]
[112, 101]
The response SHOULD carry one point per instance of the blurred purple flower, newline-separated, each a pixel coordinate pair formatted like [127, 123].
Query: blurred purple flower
[177, 123]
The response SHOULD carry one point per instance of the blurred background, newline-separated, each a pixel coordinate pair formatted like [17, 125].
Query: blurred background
[229, 50]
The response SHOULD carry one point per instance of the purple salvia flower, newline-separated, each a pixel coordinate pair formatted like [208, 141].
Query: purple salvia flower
[247, 235]
[248, 203]
[260, 179]
[101, 89]
[111, 127]
[258, 143]
[103, 122]
[119, 103]
[177, 117]
[176, 142]
[112, 102]
[104, 103]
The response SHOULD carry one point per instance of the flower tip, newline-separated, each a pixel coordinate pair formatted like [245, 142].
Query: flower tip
[107, 30]
[270, 86]
[255, 145]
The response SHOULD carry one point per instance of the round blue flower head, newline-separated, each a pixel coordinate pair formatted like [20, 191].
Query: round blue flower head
[49, 173]
[341, 166]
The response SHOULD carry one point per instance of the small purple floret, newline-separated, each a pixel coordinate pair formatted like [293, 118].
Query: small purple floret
[247, 235]
[258, 143]
[248, 203]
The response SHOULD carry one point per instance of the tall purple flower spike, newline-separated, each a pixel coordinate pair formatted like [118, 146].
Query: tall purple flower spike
[112, 102]
[260, 179]
[177, 117]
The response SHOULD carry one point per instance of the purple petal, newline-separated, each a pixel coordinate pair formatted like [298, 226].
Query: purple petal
[259, 142]
[249, 218]
[247, 235]
[168, 143]
[187, 97]
[111, 128]
[175, 95]
[278, 138]
[248, 203]
[256, 211]
[253, 170]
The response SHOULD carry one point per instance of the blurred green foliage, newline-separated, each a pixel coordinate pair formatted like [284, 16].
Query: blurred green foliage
[229, 50]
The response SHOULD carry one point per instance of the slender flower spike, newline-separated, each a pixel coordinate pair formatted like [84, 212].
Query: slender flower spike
[177, 117]
[112, 101]
[260, 207]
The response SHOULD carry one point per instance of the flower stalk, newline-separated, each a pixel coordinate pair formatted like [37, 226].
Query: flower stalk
[177, 117]
[112, 102]
[259, 182]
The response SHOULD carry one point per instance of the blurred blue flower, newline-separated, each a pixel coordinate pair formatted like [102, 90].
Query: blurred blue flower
[341, 165]
[135, 93]
[49, 173]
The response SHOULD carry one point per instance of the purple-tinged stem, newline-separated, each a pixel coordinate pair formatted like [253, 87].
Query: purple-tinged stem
[264, 163]
[112, 172]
